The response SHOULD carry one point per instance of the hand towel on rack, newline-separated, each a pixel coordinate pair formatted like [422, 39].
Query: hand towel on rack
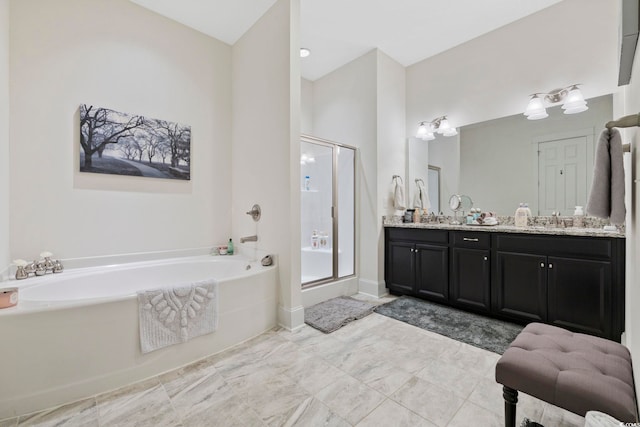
[398, 194]
[174, 315]
[606, 198]
[421, 197]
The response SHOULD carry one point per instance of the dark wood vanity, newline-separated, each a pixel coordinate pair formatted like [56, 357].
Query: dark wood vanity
[572, 281]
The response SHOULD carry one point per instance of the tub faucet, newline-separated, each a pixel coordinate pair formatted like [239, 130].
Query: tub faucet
[249, 239]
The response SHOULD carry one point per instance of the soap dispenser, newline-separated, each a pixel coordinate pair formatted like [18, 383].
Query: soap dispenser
[230, 247]
[521, 216]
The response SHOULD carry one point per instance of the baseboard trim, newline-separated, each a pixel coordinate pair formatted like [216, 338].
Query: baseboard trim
[291, 319]
[372, 288]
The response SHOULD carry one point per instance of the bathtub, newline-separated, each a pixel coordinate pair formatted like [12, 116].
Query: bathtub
[75, 334]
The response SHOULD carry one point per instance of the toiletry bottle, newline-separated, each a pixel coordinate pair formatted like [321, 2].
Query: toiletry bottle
[526, 206]
[521, 216]
[230, 247]
[578, 217]
[307, 183]
[314, 239]
[416, 215]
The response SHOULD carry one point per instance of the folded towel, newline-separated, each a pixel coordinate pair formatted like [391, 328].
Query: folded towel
[398, 194]
[175, 315]
[599, 419]
[421, 197]
[606, 198]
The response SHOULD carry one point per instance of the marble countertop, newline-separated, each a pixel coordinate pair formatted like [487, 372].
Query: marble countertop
[569, 231]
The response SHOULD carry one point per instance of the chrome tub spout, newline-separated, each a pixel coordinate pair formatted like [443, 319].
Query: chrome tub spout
[249, 239]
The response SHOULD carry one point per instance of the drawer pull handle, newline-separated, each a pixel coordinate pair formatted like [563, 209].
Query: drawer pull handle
[542, 265]
[486, 258]
[550, 265]
[469, 239]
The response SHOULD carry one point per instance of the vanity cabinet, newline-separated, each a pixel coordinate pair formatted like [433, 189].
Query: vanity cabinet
[574, 282]
[470, 271]
[520, 286]
[417, 263]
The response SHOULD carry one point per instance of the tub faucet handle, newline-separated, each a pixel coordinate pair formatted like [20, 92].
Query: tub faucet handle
[57, 266]
[20, 265]
[20, 273]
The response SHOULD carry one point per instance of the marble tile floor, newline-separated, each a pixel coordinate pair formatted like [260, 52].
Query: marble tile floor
[376, 371]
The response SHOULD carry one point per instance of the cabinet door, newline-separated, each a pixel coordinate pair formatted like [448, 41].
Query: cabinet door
[470, 279]
[400, 267]
[432, 272]
[580, 295]
[520, 286]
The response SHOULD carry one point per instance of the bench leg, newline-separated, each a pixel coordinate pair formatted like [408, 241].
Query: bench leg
[510, 399]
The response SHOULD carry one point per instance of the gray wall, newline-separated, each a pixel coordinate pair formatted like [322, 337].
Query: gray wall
[497, 167]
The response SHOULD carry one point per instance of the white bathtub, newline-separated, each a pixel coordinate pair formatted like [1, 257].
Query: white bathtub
[75, 334]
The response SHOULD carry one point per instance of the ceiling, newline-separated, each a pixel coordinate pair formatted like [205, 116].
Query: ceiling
[338, 31]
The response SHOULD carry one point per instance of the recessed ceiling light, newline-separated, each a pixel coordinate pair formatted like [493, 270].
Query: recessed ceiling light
[304, 52]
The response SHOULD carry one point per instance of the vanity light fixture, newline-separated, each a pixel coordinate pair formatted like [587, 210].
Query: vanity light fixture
[427, 130]
[571, 96]
[304, 52]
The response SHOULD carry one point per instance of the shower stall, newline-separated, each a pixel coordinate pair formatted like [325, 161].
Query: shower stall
[327, 183]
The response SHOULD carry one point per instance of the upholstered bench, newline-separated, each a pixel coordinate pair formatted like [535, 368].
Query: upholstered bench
[576, 372]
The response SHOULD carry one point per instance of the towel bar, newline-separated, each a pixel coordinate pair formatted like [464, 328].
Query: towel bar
[624, 122]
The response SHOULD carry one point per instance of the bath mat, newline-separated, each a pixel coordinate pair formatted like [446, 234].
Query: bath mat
[331, 315]
[474, 329]
[175, 315]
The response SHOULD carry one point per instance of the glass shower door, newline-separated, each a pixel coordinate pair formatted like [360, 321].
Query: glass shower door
[327, 183]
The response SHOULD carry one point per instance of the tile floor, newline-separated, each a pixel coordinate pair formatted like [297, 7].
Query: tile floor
[376, 371]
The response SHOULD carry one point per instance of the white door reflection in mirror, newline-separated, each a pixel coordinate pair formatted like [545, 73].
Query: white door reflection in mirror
[564, 173]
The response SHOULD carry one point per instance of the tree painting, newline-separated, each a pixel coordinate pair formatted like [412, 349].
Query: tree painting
[123, 144]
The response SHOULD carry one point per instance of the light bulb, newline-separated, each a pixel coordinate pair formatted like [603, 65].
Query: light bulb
[444, 126]
[535, 108]
[429, 136]
[450, 132]
[422, 130]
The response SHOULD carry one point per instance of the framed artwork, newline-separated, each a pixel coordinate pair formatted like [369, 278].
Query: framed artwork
[118, 143]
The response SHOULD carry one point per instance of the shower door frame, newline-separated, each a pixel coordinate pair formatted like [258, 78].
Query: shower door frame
[335, 238]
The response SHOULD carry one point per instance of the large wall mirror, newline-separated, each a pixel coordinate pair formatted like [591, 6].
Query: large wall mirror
[500, 163]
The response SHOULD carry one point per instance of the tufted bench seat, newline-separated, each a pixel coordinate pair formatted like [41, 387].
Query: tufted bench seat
[576, 372]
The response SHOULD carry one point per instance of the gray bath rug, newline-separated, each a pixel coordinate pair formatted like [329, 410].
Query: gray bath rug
[333, 314]
[474, 329]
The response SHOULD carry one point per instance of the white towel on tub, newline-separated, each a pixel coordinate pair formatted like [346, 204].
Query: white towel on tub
[174, 315]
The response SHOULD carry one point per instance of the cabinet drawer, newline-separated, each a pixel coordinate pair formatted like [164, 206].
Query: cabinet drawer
[418, 235]
[555, 245]
[471, 239]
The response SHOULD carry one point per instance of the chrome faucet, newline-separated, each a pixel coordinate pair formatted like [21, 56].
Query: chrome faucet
[249, 239]
[38, 268]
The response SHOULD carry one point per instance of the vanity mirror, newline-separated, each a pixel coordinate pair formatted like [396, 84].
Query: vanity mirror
[503, 162]
[458, 203]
